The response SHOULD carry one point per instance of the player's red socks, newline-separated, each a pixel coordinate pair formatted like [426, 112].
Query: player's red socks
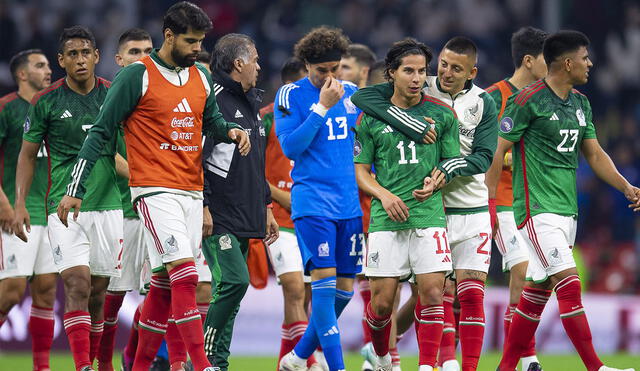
[448, 342]
[112, 304]
[184, 279]
[430, 326]
[508, 315]
[95, 335]
[380, 327]
[41, 325]
[523, 325]
[365, 293]
[395, 357]
[575, 321]
[77, 325]
[203, 308]
[291, 333]
[175, 346]
[471, 297]
[153, 322]
[132, 345]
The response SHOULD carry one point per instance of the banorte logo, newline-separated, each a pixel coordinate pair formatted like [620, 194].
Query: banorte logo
[187, 122]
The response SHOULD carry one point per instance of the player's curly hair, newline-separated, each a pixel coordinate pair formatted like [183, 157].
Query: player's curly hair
[319, 42]
[401, 49]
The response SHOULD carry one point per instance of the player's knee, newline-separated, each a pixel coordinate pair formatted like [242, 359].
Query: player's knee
[44, 295]
[382, 305]
[10, 297]
[431, 295]
[293, 293]
[77, 288]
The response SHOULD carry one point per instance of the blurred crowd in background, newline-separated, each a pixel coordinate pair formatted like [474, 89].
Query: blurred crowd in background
[609, 233]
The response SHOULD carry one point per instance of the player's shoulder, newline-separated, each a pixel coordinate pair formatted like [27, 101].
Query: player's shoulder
[102, 82]
[49, 91]
[530, 93]
[5, 100]
[349, 86]
[287, 93]
[438, 105]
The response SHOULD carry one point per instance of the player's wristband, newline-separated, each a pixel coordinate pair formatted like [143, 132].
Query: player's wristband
[320, 109]
[270, 206]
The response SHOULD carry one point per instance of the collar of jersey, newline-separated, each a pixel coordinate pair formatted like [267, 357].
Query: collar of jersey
[467, 86]
[156, 58]
[555, 96]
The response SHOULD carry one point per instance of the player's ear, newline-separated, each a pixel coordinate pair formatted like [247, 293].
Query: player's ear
[119, 60]
[169, 36]
[96, 53]
[474, 73]
[61, 60]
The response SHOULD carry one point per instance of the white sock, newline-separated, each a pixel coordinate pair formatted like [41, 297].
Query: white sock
[526, 361]
[425, 368]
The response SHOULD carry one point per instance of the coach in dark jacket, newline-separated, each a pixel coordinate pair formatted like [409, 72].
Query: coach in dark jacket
[236, 191]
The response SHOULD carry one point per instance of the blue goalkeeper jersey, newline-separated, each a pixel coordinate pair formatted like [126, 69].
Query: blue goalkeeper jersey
[324, 182]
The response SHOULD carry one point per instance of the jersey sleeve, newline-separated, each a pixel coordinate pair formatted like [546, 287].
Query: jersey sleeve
[122, 98]
[376, 101]
[590, 132]
[3, 124]
[213, 123]
[482, 148]
[295, 130]
[495, 93]
[363, 147]
[450, 139]
[36, 123]
[515, 120]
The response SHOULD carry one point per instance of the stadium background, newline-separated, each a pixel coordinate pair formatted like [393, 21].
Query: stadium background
[608, 233]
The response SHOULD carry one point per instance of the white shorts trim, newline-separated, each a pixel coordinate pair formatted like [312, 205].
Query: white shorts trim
[470, 239]
[550, 239]
[509, 241]
[94, 240]
[401, 253]
[25, 259]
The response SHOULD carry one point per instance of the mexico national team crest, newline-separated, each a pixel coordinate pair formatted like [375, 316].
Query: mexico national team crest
[27, 124]
[349, 106]
[581, 119]
[225, 242]
[506, 124]
[57, 255]
[373, 260]
[323, 249]
[171, 244]
[357, 148]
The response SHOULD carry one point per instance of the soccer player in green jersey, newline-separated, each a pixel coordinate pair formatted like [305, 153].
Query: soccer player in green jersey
[20, 260]
[526, 50]
[133, 44]
[407, 234]
[547, 124]
[88, 252]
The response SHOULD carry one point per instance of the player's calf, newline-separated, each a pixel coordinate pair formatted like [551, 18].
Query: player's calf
[11, 292]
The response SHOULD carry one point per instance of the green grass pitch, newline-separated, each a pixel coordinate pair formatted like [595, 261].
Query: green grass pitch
[488, 362]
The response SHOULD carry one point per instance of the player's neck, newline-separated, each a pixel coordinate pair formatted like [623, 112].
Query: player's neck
[521, 78]
[82, 88]
[559, 84]
[165, 54]
[26, 91]
[404, 101]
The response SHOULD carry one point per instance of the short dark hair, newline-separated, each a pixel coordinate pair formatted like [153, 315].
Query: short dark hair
[361, 53]
[320, 41]
[204, 57]
[526, 41]
[76, 32]
[184, 15]
[20, 60]
[563, 42]
[291, 69]
[462, 45]
[133, 34]
[229, 48]
[401, 49]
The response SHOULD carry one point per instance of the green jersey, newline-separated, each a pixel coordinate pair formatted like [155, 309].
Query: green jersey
[62, 117]
[123, 183]
[401, 164]
[13, 110]
[547, 133]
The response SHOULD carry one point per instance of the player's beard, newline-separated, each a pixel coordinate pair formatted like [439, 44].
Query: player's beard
[182, 60]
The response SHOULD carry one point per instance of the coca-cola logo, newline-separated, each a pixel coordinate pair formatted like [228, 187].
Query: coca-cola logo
[187, 122]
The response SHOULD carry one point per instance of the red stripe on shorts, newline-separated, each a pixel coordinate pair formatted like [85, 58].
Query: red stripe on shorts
[149, 224]
[534, 239]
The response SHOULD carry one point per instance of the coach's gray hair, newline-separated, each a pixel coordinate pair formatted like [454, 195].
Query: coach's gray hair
[229, 48]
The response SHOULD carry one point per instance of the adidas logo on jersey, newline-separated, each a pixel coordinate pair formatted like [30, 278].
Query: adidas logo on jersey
[554, 117]
[446, 259]
[332, 331]
[238, 114]
[183, 106]
[66, 114]
[388, 129]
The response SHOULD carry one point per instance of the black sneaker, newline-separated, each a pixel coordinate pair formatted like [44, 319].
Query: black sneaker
[534, 366]
[160, 364]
